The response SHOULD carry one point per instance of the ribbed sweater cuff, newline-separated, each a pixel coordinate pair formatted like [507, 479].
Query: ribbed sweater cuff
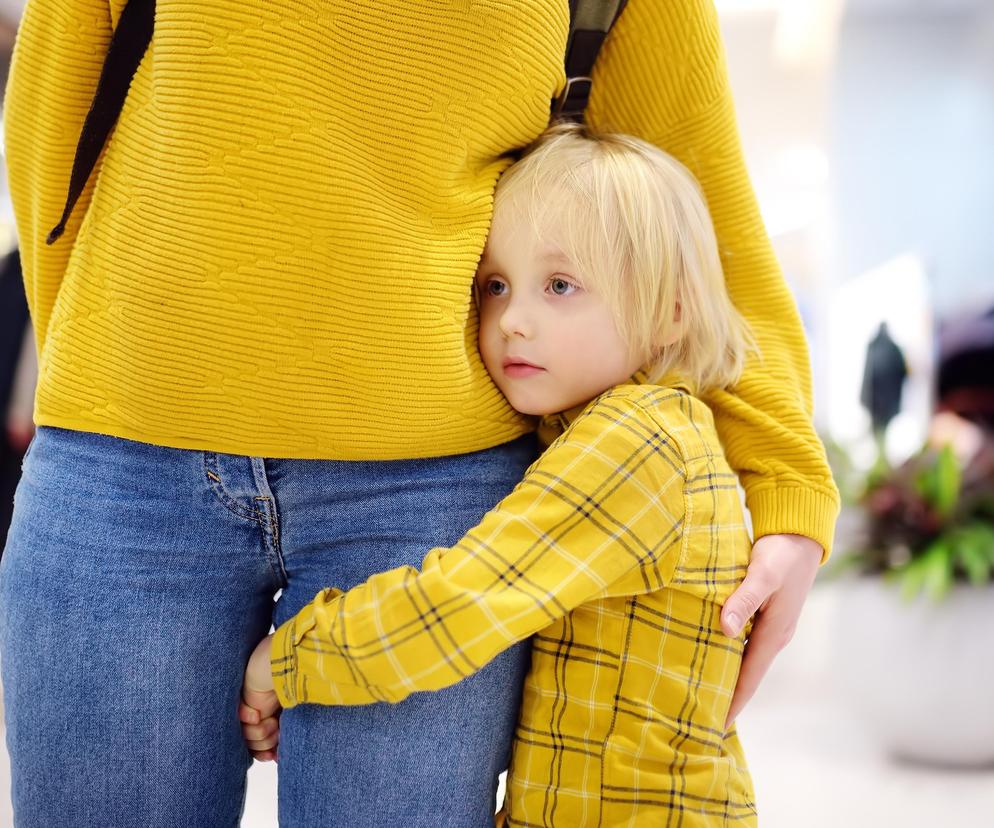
[795, 510]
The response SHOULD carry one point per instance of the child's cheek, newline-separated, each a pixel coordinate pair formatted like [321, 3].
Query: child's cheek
[488, 342]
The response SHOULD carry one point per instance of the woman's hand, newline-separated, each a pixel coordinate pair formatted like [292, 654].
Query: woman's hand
[259, 711]
[780, 575]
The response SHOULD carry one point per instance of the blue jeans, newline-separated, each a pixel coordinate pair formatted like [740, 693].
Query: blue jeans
[136, 581]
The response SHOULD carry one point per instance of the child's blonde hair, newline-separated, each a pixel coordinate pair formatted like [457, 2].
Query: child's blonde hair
[634, 222]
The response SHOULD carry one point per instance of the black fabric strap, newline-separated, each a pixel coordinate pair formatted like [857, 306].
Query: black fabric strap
[590, 22]
[127, 47]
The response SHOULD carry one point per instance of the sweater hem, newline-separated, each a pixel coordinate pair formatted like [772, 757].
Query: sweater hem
[356, 446]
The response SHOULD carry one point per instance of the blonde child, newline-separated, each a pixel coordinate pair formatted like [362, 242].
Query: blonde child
[602, 310]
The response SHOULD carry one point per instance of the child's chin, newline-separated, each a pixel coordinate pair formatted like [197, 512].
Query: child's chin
[531, 404]
[531, 408]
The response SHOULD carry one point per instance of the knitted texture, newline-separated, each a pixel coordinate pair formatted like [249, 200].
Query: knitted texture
[274, 254]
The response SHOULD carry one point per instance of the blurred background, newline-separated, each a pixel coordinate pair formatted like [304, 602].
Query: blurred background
[868, 126]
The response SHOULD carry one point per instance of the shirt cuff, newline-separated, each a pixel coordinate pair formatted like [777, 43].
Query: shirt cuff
[307, 669]
[795, 510]
[288, 679]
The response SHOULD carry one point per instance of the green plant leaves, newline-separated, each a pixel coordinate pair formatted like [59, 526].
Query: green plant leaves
[939, 483]
[929, 523]
[969, 549]
[947, 483]
[932, 573]
[974, 551]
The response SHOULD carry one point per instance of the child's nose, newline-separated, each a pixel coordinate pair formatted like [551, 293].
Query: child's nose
[514, 322]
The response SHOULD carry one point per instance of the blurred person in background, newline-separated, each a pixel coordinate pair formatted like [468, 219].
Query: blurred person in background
[258, 373]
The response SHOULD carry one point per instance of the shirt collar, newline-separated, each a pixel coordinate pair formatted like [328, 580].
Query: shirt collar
[552, 425]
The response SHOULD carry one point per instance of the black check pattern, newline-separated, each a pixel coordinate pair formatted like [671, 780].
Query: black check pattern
[616, 551]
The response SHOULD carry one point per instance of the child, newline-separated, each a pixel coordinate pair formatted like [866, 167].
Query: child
[618, 548]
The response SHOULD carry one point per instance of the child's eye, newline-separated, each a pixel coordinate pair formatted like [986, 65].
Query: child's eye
[494, 287]
[560, 286]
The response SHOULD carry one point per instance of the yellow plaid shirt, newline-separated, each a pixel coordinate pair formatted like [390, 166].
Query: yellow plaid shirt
[616, 551]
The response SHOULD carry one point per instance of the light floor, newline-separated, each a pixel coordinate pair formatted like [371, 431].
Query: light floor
[812, 764]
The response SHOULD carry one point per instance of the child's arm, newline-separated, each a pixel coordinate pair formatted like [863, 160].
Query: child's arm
[599, 513]
[661, 76]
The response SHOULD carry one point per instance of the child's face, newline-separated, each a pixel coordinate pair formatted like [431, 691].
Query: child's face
[548, 343]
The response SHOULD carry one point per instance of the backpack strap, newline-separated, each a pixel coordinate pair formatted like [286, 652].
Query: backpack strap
[127, 47]
[590, 22]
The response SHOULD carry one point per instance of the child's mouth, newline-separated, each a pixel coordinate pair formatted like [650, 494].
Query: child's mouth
[520, 368]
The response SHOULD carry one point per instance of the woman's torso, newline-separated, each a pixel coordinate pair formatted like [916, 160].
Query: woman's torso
[278, 253]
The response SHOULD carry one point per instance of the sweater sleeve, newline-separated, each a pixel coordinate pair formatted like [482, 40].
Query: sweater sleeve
[599, 514]
[662, 76]
[60, 50]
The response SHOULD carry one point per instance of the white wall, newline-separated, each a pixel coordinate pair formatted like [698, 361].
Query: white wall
[911, 149]
[874, 141]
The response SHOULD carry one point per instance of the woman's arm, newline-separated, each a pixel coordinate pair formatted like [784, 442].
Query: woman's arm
[57, 59]
[661, 75]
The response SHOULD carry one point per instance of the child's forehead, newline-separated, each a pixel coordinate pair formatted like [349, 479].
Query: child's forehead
[553, 253]
[541, 234]
[546, 251]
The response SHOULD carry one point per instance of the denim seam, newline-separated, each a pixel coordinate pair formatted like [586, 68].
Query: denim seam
[217, 486]
[274, 541]
[279, 570]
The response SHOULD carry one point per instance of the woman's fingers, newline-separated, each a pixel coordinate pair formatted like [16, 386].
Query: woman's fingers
[754, 591]
[763, 646]
[773, 592]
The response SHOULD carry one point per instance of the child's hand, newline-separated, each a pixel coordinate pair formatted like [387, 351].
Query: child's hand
[259, 711]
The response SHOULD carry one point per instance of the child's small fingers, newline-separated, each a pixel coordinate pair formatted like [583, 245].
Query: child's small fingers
[264, 744]
[252, 733]
[260, 731]
[265, 701]
[267, 732]
[248, 715]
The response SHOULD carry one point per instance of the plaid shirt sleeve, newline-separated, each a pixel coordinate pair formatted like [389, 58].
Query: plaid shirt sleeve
[598, 514]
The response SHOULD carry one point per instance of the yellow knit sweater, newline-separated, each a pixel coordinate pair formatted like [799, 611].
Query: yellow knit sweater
[274, 255]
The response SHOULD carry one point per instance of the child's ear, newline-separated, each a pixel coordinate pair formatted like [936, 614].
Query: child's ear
[675, 332]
